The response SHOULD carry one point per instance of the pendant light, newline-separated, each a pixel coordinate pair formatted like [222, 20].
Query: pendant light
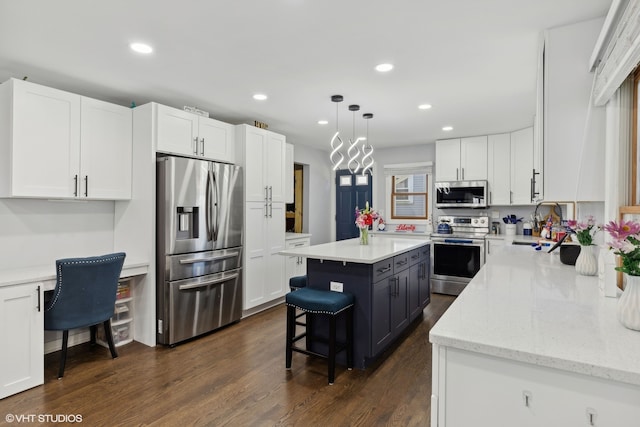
[367, 149]
[336, 156]
[353, 151]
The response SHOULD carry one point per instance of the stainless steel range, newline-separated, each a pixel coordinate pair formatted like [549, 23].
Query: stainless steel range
[457, 254]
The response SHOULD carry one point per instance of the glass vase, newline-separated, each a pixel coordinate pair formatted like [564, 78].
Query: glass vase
[364, 236]
[586, 263]
[629, 304]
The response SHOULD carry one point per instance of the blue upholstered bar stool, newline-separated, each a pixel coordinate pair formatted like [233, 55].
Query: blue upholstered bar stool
[298, 282]
[315, 302]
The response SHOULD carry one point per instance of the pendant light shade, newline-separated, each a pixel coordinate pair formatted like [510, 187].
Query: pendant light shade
[355, 163]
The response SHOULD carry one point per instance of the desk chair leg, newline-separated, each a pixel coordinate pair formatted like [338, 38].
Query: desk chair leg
[332, 349]
[291, 329]
[63, 353]
[109, 335]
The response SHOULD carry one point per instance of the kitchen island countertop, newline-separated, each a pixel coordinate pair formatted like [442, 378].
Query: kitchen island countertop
[527, 306]
[352, 251]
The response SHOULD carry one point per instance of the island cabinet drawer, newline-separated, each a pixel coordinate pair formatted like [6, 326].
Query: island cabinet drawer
[415, 256]
[382, 269]
[401, 262]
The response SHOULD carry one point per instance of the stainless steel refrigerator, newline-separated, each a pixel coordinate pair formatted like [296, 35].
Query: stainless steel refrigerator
[199, 247]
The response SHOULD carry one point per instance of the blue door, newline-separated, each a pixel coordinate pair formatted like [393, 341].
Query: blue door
[352, 190]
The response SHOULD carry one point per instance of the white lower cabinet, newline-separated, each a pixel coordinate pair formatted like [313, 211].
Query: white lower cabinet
[263, 273]
[493, 246]
[22, 338]
[295, 265]
[473, 389]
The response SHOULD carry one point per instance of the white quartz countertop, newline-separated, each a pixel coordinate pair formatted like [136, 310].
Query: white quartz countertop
[526, 305]
[352, 251]
[47, 274]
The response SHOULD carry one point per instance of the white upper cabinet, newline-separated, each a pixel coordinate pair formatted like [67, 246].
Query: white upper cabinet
[448, 160]
[510, 162]
[574, 130]
[522, 167]
[188, 134]
[461, 159]
[55, 144]
[499, 171]
[264, 163]
[105, 157]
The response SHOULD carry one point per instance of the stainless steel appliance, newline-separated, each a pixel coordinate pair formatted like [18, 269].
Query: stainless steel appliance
[457, 256]
[199, 247]
[462, 194]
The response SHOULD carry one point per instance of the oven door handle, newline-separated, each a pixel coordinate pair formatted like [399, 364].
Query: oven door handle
[460, 241]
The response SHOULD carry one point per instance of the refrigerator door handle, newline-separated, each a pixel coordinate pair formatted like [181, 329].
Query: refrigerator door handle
[207, 213]
[209, 259]
[215, 208]
[209, 282]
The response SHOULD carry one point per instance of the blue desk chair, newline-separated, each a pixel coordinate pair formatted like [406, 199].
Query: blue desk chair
[84, 296]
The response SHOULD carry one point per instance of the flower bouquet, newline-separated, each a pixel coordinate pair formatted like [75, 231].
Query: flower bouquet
[586, 263]
[626, 244]
[364, 219]
[584, 231]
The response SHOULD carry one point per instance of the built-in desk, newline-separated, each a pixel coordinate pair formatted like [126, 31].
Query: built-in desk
[389, 279]
[22, 323]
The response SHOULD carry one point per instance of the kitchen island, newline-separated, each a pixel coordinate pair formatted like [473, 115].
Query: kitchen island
[530, 343]
[389, 279]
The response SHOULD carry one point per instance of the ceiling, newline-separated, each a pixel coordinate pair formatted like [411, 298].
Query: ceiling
[473, 61]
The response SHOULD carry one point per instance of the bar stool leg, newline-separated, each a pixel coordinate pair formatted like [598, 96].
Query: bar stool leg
[332, 349]
[291, 328]
[349, 319]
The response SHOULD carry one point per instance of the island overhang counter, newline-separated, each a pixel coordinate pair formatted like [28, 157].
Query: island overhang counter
[389, 279]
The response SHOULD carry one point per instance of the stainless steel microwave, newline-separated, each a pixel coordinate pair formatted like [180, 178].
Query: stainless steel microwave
[462, 194]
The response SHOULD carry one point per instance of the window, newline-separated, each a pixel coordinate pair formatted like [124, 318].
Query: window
[409, 196]
[407, 192]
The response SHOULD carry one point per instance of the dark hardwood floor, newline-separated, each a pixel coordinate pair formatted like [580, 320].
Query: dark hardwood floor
[236, 377]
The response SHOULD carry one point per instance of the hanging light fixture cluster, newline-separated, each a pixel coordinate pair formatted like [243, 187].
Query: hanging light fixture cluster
[353, 163]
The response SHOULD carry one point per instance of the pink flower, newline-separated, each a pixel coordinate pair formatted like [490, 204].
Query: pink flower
[622, 230]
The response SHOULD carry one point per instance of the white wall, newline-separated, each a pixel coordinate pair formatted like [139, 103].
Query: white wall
[37, 232]
[319, 201]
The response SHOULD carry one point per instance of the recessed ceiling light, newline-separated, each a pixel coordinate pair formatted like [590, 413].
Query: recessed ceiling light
[447, 128]
[383, 68]
[141, 47]
[424, 106]
[323, 122]
[259, 96]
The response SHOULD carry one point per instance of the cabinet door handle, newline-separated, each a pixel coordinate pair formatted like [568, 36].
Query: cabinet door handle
[266, 210]
[75, 186]
[86, 186]
[195, 145]
[266, 193]
[270, 193]
[38, 299]
[415, 256]
[489, 197]
[463, 173]
[401, 262]
[457, 174]
[384, 269]
[526, 396]
[202, 142]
